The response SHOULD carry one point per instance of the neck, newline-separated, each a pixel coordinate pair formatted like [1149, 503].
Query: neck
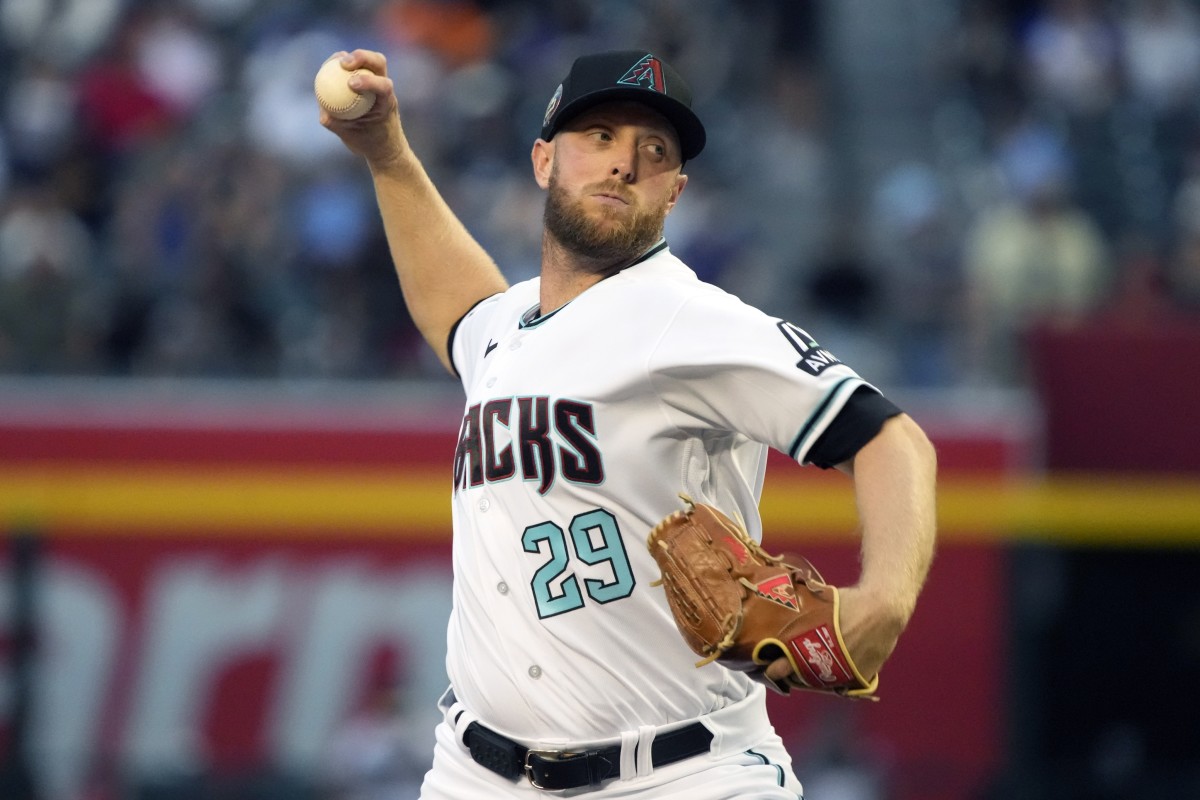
[566, 274]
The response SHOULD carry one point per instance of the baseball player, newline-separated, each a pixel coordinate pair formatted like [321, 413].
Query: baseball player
[595, 395]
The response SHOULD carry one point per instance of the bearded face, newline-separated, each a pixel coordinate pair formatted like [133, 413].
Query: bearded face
[607, 233]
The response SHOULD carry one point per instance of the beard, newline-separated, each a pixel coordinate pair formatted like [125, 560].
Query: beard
[609, 237]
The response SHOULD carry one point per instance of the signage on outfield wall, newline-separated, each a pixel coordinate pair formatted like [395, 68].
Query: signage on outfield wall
[170, 657]
[221, 597]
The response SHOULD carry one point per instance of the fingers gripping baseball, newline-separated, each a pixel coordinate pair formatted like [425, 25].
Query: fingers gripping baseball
[373, 132]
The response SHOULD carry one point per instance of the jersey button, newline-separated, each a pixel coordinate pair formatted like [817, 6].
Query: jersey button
[491, 382]
[484, 504]
[502, 587]
[514, 345]
[535, 672]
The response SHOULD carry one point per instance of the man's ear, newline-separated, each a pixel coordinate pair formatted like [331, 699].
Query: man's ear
[543, 162]
[680, 182]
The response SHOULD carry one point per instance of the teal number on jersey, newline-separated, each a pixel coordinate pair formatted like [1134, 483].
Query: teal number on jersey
[611, 549]
[596, 539]
[568, 598]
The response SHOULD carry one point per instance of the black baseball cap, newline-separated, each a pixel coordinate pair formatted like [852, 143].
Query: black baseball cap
[627, 75]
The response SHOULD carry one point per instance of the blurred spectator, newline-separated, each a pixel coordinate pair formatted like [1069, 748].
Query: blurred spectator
[983, 53]
[1072, 55]
[844, 777]
[456, 30]
[372, 755]
[1033, 257]
[37, 115]
[504, 201]
[332, 217]
[5, 170]
[915, 242]
[844, 302]
[66, 31]
[48, 308]
[1183, 267]
[1071, 49]
[223, 14]
[1161, 47]
[841, 762]
[1161, 52]
[281, 119]
[191, 245]
[119, 109]
[177, 62]
[229, 234]
[784, 186]
[1139, 296]
[713, 242]
[1183, 279]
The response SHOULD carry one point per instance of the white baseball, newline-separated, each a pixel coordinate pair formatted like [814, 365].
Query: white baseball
[332, 86]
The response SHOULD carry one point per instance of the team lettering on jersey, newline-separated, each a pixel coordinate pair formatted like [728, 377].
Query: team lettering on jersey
[813, 358]
[538, 437]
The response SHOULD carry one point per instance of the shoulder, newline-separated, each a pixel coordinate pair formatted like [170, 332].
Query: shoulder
[514, 301]
[490, 315]
[680, 317]
[664, 282]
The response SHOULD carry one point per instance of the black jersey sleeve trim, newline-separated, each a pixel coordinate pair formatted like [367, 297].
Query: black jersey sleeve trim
[454, 330]
[802, 438]
[856, 424]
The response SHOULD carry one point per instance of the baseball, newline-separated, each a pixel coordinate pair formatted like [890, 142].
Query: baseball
[334, 93]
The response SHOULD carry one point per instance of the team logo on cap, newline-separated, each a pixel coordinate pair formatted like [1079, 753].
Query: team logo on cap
[647, 73]
[552, 106]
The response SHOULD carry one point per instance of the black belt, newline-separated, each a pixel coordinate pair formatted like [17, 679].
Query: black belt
[554, 770]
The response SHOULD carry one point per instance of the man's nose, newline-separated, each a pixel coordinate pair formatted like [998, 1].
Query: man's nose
[625, 165]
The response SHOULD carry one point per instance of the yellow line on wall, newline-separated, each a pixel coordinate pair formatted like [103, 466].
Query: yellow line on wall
[1066, 509]
[223, 501]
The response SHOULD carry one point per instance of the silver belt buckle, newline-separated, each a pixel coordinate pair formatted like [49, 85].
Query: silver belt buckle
[549, 755]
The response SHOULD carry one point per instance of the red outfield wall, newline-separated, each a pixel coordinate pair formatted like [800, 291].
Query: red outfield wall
[221, 591]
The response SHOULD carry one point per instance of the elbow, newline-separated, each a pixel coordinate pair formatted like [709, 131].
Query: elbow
[924, 448]
[902, 441]
[923, 454]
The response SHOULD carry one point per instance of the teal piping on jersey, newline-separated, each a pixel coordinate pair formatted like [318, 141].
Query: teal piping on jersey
[803, 439]
[778, 769]
[530, 318]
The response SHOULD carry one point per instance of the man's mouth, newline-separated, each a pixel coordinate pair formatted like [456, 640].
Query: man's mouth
[610, 197]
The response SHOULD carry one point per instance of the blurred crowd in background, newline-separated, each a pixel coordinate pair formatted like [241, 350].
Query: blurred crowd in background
[170, 205]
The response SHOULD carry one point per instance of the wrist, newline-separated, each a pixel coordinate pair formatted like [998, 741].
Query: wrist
[890, 610]
[394, 162]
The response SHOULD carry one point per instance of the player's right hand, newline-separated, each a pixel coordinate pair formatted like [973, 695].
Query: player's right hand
[376, 135]
[871, 626]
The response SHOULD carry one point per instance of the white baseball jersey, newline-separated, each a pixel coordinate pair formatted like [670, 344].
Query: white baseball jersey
[582, 426]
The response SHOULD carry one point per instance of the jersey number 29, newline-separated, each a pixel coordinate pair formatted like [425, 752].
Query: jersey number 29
[595, 539]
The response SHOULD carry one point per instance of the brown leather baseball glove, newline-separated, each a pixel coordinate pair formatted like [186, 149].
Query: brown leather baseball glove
[772, 617]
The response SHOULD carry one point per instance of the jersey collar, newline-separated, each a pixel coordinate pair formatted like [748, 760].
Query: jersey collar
[534, 317]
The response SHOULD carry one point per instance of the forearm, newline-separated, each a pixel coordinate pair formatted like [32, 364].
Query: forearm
[442, 270]
[894, 477]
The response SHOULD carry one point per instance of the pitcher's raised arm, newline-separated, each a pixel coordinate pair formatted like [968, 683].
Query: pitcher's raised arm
[443, 271]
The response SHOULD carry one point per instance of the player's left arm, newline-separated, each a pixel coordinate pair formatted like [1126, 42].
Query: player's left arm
[894, 485]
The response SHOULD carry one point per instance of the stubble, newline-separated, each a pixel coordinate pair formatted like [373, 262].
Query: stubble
[605, 238]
